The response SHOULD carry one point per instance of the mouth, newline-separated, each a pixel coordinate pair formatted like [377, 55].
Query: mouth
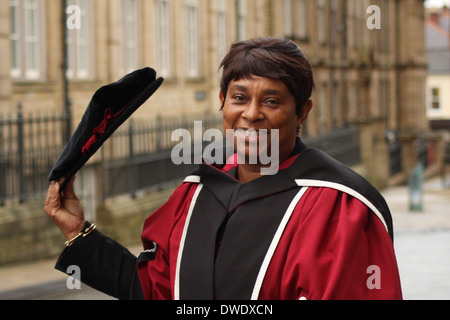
[252, 133]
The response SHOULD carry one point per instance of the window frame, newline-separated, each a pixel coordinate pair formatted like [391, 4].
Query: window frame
[27, 41]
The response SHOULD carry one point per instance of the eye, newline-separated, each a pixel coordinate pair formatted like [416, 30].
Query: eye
[238, 98]
[272, 102]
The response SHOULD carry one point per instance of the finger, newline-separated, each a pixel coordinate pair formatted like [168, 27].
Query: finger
[47, 199]
[69, 192]
[52, 193]
[53, 201]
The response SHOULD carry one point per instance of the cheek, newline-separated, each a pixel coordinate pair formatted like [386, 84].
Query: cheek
[228, 118]
[288, 132]
[287, 123]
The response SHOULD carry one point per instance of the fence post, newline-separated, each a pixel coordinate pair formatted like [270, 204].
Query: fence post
[159, 134]
[64, 66]
[3, 166]
[20, 149]
[133, 171]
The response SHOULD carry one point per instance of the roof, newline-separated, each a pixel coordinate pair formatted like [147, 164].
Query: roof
[437, 35]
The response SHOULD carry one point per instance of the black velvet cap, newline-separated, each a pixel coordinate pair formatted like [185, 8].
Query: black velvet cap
[109, 108]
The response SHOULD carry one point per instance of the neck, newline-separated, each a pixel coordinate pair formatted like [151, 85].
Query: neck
[248, 172]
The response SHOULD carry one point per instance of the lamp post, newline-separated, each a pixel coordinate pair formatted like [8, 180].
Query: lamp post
[64, 66]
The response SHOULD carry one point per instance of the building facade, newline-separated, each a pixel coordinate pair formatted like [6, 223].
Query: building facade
[368, 57]
[438, 81]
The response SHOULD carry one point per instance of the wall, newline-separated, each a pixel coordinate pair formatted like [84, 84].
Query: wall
[28, 234]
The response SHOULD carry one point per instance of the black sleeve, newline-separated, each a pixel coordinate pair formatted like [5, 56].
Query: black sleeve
[104, 264]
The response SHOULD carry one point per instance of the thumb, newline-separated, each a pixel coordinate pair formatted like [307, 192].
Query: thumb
[69, 192]
[53, 200]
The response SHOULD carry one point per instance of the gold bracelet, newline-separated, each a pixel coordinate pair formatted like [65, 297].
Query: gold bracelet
[83, 234]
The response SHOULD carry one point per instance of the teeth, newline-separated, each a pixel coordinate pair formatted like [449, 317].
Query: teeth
[251, 133]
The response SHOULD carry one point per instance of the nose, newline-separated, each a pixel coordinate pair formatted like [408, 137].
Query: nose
[253, 112]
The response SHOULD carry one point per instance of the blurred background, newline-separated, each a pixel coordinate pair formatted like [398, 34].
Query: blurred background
[381, 106]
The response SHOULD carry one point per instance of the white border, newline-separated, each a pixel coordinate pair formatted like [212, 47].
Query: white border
[274, 244]
[192, 179]
[340, 187]
[183, 239]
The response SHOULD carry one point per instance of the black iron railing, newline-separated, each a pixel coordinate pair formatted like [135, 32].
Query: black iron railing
[135, 159]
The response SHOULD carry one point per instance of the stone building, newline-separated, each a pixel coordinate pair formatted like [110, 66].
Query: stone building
[438, 81]
[368, 57]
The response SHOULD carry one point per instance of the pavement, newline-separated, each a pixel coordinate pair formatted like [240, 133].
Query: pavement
[421, 240]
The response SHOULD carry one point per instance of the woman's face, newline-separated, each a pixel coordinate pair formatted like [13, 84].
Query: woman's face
[262, 103]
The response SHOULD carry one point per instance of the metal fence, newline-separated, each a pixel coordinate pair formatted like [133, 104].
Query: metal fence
[395, 152]
[343, 144]
[137, 158]
[29, 145]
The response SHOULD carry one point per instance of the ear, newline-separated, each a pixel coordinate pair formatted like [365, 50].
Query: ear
[222, 99]
[305, 111]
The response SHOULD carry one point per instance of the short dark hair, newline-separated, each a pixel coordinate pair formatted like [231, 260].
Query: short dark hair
[274, 58]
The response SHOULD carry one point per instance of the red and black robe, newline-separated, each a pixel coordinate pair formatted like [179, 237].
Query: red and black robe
[315, 230]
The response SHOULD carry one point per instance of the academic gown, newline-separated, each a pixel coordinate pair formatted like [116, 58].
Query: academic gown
[315, 230]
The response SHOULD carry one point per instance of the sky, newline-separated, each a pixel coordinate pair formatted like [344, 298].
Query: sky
[437, 3]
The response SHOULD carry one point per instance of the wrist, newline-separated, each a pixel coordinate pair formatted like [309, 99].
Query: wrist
[83, 225]
[86, 229]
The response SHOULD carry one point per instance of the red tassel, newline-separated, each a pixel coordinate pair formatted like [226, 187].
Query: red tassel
[101, 128]
[98, 131]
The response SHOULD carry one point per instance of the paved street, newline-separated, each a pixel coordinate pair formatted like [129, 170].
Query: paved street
[424, 262]
[422, 243]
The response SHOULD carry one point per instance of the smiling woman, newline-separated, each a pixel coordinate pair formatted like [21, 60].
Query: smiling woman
[278, 59]
[257, 105]
[266, 85]
[313, 230]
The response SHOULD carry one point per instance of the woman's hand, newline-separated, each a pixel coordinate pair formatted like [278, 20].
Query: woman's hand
[65, 209]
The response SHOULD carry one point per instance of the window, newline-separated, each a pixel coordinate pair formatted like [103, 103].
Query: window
[27, 45]
[130, 35]
[384, 95]
[192, 41]
[386, 28]
[323, 107]
[352, 100]
[333, 27]
[435, 98]
[163, 38]
[241, 16]
[358, 22]
[356, 18]
[335, 103]
[221, 29]
[321, 22]
[350, 24]
[295, 19]
[288, 24]
[79, 44]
